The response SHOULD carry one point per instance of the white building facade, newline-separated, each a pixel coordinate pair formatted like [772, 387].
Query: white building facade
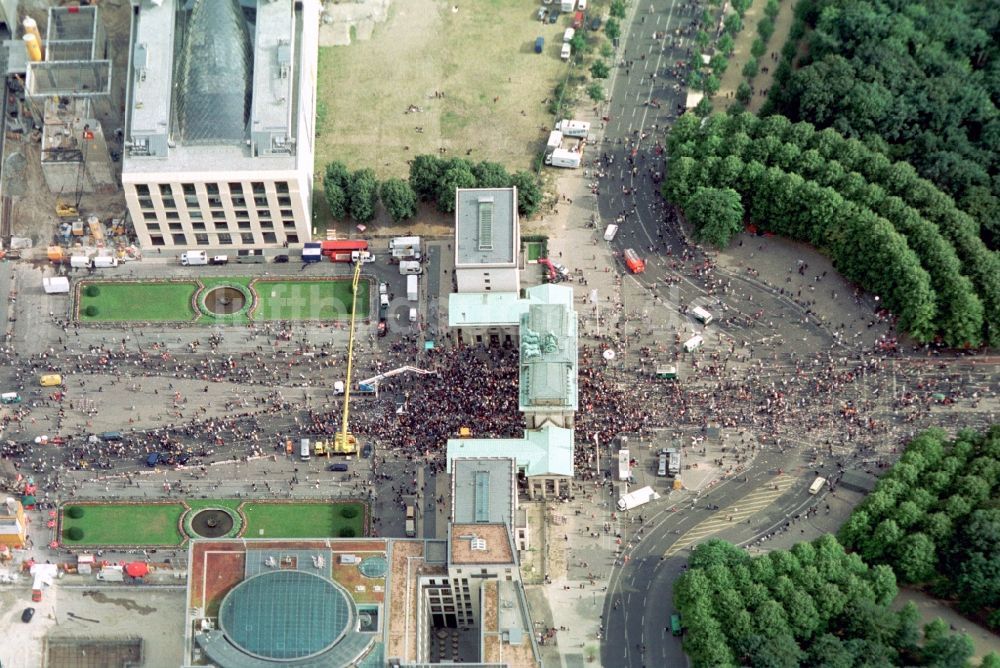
[220, 116]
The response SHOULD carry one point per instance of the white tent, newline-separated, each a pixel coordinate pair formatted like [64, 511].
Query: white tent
[56, 285]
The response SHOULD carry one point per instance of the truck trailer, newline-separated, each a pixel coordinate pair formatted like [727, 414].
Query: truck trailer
[412, 288]
[312, 252]
[341, 248]
[405, 248]
[561, 157]
[578, 129]
[637, 498]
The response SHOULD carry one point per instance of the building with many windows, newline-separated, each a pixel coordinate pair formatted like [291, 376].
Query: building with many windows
[219, 129]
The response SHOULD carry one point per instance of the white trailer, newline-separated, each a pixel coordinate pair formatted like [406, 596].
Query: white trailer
[566, 52]
[817, 485]
[637, 498]
[578, 129]
[405, 247]
[554, 141]
[564, 158]
[624, 467]
[693, 344]
[412, 288]
[79, 261]
[567, 36]
[409, 267]
[105, 262]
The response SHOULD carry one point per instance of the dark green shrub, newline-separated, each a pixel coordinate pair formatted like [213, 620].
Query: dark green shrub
[76, 512]
[92, 291]
[90, 311]
[347, 532]
[74, 533]
[349, 512]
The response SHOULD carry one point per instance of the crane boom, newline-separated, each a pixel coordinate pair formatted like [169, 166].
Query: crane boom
[345, 441]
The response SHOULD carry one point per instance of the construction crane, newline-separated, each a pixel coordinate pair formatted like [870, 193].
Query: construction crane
[344, 442]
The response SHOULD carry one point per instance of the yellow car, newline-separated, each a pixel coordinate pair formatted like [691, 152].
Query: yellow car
[50, 380]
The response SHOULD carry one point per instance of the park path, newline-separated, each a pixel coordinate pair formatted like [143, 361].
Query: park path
[741, 54]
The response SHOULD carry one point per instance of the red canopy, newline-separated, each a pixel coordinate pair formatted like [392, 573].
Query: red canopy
[137, 569]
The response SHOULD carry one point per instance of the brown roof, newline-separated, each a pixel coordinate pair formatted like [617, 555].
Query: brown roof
[497, 550]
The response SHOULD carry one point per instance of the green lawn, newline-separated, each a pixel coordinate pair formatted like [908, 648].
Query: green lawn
[300, 520]
[127, 524]
[310, 300]
[139, 302]
[533, 249]
[306, 299]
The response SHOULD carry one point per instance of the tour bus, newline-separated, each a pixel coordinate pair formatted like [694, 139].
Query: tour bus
[817, 485]
[304, 453]
[701, 315]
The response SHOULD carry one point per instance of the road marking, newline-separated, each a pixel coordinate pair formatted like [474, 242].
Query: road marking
[749, 505]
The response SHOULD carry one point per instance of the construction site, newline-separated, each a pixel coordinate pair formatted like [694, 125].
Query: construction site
[62, 142]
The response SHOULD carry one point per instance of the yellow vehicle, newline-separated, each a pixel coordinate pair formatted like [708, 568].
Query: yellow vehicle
[50, 380]
[319, 448]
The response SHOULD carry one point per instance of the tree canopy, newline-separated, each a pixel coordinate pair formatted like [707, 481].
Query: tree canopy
[933, 518]
[813, 605]
[921, 78]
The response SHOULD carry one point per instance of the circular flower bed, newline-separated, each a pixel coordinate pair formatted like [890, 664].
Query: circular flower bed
[191, 532]
[204, 291]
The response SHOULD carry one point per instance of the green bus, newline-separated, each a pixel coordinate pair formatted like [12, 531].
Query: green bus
[675, 625]
[666, 372]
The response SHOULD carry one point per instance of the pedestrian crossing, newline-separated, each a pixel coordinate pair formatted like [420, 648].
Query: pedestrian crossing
[741, 510]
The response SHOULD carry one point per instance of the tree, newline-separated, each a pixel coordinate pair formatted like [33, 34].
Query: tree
[457, 175]
[529, 193]
[595, 92]
[425, 173]
[750, 68]
[710, 85]
[490, 175]
[703, 108]
[758, 48]
[607, 51]
[765, 28]
[991, 660]
[772, 9]
[335, 181]
[733, 24]
[612, 29]
[599, 70]
[741, 6]
[579, 44]
[950, 651]
[744, 93]
[726, 45]
[717, 215]
[363, 195]
[916, 558]
[618, 9]
[719, 64]
[399, 199]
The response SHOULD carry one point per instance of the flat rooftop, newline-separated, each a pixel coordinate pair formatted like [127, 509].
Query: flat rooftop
[480, 544]
[485, 226]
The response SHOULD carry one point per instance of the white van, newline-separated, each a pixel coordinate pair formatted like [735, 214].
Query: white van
[609, 232]
[567, 51]
[79, 261]
[693, 344]
[410, 267]
[383, 299]
[568, 35]
[194, 258]
[104, 262]
[413, 314]
[701, 315]
[817, 485]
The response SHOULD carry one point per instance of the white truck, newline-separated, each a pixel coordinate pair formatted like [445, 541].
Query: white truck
[637, 498]
[701, 315]
[79, 261]
[194, 258]
[817, 485]
[405, 247]
[554, 141]
[578, 129]
[412, 289]
[566, 52]
[561, 157]
[407, 267]
[693, 344]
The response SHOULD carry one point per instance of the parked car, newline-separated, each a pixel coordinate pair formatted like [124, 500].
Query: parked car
[595, 23]
[553, 16]
[383, 289]
[281, 259]
[337, 467]
[383, 327]
[366, 451]
[542, 13]
[27, 615]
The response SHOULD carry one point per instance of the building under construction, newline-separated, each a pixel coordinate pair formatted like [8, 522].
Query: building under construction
[220, 114]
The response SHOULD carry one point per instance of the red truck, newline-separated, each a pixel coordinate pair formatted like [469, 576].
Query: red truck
[578, 20]
[340, 251]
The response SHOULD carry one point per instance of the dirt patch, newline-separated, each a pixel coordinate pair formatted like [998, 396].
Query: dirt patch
[92, 653]
[432, 79]
[124, 603]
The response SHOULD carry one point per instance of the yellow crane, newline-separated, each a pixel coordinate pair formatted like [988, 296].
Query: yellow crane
[344, 442]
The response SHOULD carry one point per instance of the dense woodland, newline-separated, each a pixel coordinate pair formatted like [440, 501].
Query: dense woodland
[883, 226]
[935, 519]
[917, 81]
[813, 605]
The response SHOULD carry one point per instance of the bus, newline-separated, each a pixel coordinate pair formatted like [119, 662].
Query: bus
[662, 470]
[632, 260]
[304, 453]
